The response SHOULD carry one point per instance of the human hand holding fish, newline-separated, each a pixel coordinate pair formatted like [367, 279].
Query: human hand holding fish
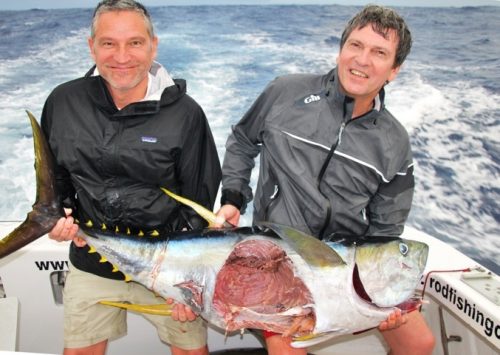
[395, 320]
[227, 214]
[181, 312]
[66, 230]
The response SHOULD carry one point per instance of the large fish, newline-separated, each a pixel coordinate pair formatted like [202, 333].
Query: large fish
[265, 277]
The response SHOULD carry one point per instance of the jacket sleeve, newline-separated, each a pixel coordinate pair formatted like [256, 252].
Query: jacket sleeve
[242, 147]
[198, 168]
[64, 185]
[389, 208]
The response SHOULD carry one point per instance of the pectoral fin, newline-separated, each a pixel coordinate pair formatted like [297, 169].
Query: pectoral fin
[312, 250]
[161, 309]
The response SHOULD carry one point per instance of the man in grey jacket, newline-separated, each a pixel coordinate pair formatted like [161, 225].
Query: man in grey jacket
[332, 158]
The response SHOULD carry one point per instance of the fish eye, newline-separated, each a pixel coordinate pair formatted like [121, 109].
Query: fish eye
[403, 248]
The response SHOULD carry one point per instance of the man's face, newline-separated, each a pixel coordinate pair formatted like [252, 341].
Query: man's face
[366, 61]
[123, 50]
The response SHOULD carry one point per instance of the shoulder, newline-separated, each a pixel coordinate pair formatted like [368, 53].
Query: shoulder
[291, 81]
[394, 126]
[290, 87]
[175, 102]
[397, 138]
[71, 87]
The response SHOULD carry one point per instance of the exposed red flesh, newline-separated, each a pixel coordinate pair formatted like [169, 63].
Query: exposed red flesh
[257, 283]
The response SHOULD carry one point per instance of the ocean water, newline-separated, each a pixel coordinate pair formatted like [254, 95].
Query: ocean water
[447, 93]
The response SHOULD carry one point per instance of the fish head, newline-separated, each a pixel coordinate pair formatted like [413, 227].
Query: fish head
[390, 269]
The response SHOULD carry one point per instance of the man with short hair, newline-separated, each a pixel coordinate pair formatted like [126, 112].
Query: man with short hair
[332, 158]
[118, 135]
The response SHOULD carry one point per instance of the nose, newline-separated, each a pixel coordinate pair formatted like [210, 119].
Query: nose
[121, 54]
[363, 57]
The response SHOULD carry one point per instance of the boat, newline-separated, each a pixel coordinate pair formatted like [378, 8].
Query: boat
[461, 305]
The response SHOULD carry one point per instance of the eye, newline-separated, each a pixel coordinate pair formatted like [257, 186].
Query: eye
[107, 44]
[403, 249]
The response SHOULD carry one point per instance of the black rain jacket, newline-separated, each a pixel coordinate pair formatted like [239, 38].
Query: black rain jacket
[111, 163]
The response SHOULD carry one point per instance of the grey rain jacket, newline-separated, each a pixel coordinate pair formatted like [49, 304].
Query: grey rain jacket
[111, 163]
[321, 171]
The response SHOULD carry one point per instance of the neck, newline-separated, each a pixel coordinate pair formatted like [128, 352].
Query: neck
[122, 98]
[361, 107]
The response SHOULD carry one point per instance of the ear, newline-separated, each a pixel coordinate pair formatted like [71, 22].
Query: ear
[154, 45]
[394, 72]
[90, 42]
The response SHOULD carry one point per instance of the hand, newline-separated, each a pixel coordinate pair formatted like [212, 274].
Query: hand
[66, 229]
[181, 312]
[395, 320]
[227, 213]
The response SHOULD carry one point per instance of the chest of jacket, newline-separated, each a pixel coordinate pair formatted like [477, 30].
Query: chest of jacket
[319, 167]
[144, 149]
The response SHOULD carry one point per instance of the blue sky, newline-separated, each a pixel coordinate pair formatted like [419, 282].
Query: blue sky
[53, 4]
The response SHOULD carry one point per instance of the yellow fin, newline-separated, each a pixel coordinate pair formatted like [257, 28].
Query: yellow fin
[141, 234]
[306, 337]
[154, 233]
[205, 213]
[115, 269]
[127, 278]
[128, 231]
[92, 250]
[89, 224]
[313, 339]
[312, 250]
[161, 309]
[103, 259]
[117, 230]
[103, 227]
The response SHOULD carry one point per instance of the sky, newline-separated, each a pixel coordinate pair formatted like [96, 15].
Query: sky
[54, 4]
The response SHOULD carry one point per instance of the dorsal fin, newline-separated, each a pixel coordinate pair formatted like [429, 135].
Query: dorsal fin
[203, 212]
[312, 250]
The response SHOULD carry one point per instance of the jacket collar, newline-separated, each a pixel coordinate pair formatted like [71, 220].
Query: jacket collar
[162, 90]
[333, 88]
[158, 81]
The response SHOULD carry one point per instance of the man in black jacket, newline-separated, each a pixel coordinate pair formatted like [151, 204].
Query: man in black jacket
[118, 135]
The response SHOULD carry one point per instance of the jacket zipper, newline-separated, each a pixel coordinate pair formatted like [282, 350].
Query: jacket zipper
[322, 173]
[323, 169]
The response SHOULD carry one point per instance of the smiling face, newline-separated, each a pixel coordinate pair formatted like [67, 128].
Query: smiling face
[365, 63]
[123, 51]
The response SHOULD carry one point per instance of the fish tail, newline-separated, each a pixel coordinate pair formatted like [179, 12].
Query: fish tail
[47, 208]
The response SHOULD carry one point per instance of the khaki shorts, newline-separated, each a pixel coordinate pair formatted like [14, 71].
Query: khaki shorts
[86, 322]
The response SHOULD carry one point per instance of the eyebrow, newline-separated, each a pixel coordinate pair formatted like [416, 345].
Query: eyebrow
[350, 40]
